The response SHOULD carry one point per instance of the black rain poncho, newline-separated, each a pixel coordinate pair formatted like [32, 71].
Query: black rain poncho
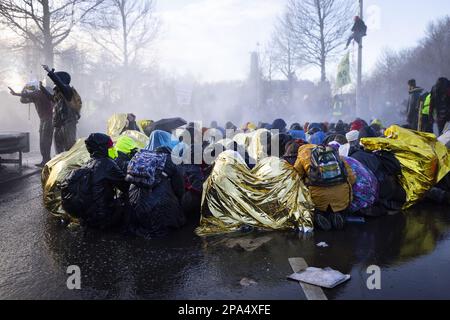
[155, 211]
[106, 177]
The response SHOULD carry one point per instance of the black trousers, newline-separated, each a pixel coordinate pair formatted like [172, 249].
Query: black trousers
[426, 125]
[65, 137]
[45, 139]
[356, 37]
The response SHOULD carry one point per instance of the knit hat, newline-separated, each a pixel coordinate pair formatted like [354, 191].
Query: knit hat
[358, 124]
[352, 136]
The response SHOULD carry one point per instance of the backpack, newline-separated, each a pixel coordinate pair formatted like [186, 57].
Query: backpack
[145, 169]
[76, 193]
[326, 168]
[364, 29]
[76, 103]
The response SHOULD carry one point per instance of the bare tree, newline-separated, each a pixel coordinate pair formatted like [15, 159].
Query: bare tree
[125, 28]
[436, 46]
[267, 58]
[319, 28]
[386, 87]
[285, 52]
[46, 23]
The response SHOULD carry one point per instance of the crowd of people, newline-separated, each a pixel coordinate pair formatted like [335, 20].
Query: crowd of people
[148, 192]
[153, 190]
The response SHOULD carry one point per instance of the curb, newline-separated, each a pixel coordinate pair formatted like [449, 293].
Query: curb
[21, 176]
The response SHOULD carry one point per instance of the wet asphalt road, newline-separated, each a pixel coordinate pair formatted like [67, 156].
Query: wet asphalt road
[412, 249]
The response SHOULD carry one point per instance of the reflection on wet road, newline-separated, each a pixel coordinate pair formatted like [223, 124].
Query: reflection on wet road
[412, 249]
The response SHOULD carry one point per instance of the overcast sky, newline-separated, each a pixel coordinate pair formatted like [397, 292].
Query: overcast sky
[212, 39]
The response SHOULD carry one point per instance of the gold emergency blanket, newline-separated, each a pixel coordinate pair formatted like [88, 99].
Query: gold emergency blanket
[57, 169]
[255, 142]
[271, 196]
[259, 143]
[423, 159]
[117, 123]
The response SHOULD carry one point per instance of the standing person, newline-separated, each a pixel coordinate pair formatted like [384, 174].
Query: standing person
[413, 104]
[67, 110]
[426, 124]
[44, 108]
[440, 103]
[359, 31]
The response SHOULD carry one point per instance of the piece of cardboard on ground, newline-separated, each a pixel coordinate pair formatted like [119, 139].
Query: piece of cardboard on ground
[247, 282]
[311, 292]
[325, 278]
[248, 244]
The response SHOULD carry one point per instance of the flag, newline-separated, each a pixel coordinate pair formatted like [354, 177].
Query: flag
[343, 75]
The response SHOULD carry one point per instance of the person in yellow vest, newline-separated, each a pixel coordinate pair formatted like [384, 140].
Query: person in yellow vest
[425, 125]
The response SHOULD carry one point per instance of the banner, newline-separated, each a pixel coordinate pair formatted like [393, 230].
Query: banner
[343, 75]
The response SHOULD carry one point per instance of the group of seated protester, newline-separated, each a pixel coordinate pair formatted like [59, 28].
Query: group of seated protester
[148, 193]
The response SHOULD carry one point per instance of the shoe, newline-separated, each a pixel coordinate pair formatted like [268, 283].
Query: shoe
[322, 222]
[337, 220]
[39, 165]
[42, 164]
[247, 229]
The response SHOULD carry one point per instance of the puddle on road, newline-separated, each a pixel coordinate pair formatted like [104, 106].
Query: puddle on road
[184, 266]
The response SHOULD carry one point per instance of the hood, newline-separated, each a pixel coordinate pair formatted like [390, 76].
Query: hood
[160, 138]
[230, 126]
[279, 124]
[98, 144]
[64, 77]
[339, 126]
[314, 127]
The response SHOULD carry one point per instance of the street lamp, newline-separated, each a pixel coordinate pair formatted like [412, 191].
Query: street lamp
[359, 78]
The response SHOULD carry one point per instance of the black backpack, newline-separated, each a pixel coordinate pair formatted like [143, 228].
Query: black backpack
[76, 192]
[326, 168]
